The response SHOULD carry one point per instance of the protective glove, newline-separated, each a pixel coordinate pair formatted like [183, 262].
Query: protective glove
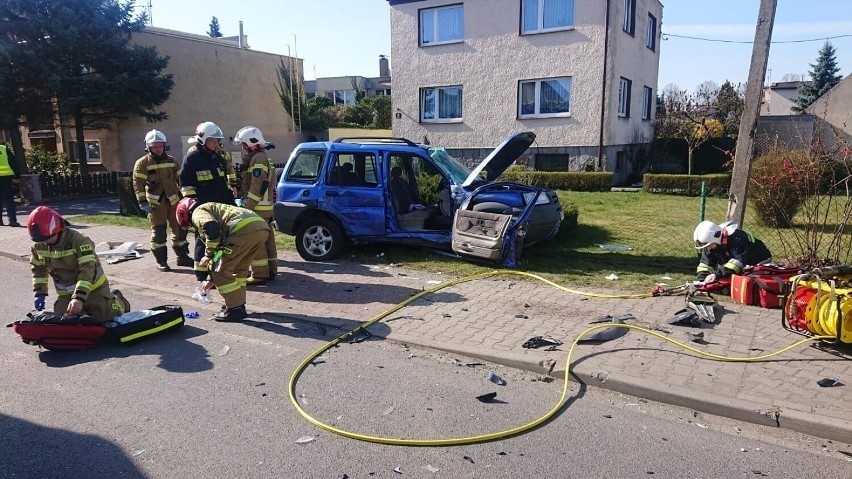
[38, 302]
[239, 202]
[145, 207]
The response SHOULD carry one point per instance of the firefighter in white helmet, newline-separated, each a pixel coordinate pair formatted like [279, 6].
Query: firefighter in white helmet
[207, 176]
[155, 181]
[726, 250]
[256, 189]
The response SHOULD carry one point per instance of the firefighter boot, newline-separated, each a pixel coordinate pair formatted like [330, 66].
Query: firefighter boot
[161, 255]
[121, 300]
[182, 253]
[231, 315]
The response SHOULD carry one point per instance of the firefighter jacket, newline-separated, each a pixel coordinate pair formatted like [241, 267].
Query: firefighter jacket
[207, 176]
[155, 179]
[738, 250]
[217, 223]
[71, 262]
[257, 184]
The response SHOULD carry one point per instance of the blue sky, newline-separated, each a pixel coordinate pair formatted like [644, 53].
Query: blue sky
[346, 37]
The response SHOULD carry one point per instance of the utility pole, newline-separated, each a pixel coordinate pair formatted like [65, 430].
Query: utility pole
[748, 122]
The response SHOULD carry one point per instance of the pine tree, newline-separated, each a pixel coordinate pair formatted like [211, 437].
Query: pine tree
[730, 106]
[824, 75]
[214, 28]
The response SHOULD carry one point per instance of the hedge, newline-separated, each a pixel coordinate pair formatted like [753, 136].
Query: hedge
[561, 180]
[686, 185]
[571, 215]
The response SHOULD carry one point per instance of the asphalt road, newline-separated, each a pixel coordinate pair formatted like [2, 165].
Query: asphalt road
[211, 400]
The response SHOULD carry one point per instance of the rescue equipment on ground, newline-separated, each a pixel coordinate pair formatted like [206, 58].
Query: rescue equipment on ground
[136, 325]
[762, 285]
[820, 304]
[59, 331]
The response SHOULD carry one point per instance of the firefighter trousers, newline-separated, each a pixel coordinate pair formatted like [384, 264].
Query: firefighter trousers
[161, 215]
[101, 304]
[231, 273]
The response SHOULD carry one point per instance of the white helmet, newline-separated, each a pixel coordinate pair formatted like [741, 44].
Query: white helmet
[708, 232]
[206, 130]
[155, 136]
[251, 136]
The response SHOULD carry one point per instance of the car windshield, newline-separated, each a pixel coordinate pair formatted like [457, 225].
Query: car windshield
[455, 170]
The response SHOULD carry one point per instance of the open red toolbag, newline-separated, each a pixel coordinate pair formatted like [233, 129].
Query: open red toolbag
[762, 285]
[56, 332]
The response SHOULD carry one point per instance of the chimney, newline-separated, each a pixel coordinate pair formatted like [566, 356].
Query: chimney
[240, 38]
[384, 68]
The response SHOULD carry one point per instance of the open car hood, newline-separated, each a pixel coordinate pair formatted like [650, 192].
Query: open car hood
[502, 157]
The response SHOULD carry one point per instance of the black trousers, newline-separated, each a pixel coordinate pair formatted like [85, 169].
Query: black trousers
[7, 197]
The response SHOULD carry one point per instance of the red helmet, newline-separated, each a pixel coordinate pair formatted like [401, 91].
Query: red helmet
[44, 223]
[183, 212]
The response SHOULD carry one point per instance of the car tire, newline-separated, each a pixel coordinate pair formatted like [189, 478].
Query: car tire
[319, 239]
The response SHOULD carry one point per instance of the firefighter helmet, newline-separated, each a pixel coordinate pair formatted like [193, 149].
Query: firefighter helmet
[206, 130]
[44, 223]
[251, 136]
[154, 137]
[708, 232]
[183, 212]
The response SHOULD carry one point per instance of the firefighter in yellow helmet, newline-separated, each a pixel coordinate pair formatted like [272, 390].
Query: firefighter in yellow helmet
[68, 256]
[155, 181]
[232, 236]
[256, 195]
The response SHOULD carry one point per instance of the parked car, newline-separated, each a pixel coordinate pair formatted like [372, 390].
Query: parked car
[361, 190]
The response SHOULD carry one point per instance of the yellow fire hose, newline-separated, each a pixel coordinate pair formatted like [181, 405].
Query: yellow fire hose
[515, 430]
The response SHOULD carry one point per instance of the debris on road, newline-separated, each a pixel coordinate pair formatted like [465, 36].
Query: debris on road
[487, 397]
[496, 379]
[305, 439]
[829, 383]
[539, 341]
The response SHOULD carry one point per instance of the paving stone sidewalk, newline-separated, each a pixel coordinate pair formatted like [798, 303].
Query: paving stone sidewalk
[491, 318]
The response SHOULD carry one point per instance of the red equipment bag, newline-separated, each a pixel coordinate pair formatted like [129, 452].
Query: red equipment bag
[762, 286]
[56, 332]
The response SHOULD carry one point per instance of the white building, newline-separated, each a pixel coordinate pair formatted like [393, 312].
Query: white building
[779, 98]
[581, 74]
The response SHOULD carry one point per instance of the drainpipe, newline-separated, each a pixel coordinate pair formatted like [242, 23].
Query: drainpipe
[603, 89]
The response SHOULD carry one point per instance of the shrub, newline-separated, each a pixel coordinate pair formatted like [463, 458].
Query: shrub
[47, 163]
[686, 185]
[780, 181]
[561, 180]
[572, 214]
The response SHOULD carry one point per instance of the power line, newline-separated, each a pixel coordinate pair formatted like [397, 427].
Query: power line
[665, 35]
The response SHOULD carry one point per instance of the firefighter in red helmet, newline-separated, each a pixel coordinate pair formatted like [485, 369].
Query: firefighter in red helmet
[232, 237]
[68, 256]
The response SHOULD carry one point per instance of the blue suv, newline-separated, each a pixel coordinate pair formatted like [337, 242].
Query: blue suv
[373, 190]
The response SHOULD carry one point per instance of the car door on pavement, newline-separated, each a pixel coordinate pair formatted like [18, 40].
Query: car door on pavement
[354, 194]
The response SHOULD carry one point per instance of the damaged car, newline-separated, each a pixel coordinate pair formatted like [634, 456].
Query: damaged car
[391, 190]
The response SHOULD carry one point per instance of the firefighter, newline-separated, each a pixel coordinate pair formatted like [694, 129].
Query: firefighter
[231, 236]
[207, 176]
[9, 177]
[68, 256]
[256, 195]
[726, 250]
[156, 184]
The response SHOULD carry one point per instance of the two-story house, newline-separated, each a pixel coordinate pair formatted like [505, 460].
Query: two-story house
[581, 74]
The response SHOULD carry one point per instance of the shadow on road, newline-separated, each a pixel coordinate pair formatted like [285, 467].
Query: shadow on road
[31, 450]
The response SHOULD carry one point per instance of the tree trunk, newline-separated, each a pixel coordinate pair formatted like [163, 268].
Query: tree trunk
[18, 150]
[689, 162]
[79, 135]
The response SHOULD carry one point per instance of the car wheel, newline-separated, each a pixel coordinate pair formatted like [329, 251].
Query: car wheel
[493, 207]
[319, 239]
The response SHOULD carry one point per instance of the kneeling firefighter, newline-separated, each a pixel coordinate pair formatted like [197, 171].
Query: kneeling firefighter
[232, 237]
[726, 250]
[155, 181]
[68, 256]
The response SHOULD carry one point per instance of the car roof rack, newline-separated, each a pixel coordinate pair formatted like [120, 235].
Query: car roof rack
[374, 139]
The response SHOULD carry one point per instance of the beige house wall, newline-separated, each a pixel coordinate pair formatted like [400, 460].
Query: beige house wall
[778, 101]
[493, 58]
[835, 107]
[215, 80]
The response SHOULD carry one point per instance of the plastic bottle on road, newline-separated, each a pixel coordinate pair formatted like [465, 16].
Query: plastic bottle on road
[200, 296]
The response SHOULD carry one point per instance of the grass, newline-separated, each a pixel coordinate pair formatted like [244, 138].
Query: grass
[658, 228]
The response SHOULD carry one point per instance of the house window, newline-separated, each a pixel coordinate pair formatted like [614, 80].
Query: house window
[93, 151]
[342, 97]
[552, 162]
[544, 98]
[547, 15]
[624, 97]
[647, 102]
[442, 104]
[441, 25]
[651, 40]
[628, 23]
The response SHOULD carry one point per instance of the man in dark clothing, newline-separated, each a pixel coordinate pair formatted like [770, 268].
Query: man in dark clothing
[726, 250]
[8, 178]
[207, 176]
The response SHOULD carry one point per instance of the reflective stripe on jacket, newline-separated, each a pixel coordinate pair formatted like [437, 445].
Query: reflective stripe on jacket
[156, 179]
[71, 262]
[257, 184]
[232, 221]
